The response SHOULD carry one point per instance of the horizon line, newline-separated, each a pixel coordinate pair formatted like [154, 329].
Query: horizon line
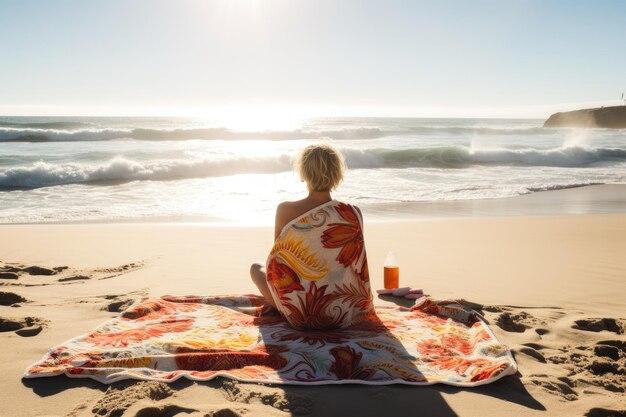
[280, 111]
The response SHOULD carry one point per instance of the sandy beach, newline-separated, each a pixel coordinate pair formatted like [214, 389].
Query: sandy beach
[551, 287]
[153, 153]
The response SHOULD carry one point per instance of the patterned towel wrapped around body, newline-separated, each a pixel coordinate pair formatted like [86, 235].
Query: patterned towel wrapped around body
[317, 269]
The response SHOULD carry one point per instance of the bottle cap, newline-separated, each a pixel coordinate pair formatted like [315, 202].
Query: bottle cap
[391, 259]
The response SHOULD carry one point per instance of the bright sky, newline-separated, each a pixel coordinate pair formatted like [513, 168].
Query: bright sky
[310, 57]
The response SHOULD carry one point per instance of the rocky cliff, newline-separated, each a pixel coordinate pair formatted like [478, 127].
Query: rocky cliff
[610, 117]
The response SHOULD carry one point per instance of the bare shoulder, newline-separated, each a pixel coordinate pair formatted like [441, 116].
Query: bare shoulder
[286, 212]
[286, 208]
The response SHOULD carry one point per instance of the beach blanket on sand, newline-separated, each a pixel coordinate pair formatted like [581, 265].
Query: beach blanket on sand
[238, 337]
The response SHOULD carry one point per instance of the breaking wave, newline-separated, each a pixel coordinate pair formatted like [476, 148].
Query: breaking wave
[70, 131]
[43, 174]
[12, 134]
[123, 169]
[460, 157]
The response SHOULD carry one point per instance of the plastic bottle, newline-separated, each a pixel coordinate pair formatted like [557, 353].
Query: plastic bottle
[392, 271]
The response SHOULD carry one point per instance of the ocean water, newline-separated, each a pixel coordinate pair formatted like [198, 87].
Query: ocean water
[116, 169]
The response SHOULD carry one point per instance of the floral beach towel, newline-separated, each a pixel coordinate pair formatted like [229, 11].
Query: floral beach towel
[238, 337]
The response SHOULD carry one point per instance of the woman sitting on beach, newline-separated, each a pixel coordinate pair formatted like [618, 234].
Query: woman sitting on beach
[317, 275]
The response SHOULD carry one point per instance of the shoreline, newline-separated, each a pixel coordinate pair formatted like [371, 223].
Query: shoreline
[595, 199]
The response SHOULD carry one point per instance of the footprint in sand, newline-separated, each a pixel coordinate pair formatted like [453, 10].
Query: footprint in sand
[533, 353]
[117, 304]
[120, 269]
[10, 299]
[163, 411]
[15, 269]
[121, 400]
[610, 349]
[599, 325]
[21, 273]
[512, 322]
[517, 322]
[593, 366]
[604, 351]
[117, 399]
[25, 327]
[602, 365]
[559, 387]
[114, 303]
[585, 369]
[514, 319]
[33, 275]
[8, 275]
[287, 402]
[227, 412]
[603, 412]
[74, 278]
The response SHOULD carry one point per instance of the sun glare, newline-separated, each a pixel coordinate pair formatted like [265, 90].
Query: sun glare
[256, 118]
[243, 12]
[238, 5]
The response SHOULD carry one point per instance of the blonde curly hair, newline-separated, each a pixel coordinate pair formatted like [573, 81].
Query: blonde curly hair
[321, 166]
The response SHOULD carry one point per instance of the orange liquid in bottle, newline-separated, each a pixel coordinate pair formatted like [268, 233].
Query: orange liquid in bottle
[392, 277]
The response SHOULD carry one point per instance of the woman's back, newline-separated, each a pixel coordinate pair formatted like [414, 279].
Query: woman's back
[317, 269]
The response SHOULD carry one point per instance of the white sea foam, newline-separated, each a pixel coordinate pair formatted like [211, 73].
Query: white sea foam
[42, 174]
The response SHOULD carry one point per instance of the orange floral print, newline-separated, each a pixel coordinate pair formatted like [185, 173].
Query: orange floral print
[139, 334]
[283, 278]
[347, 236]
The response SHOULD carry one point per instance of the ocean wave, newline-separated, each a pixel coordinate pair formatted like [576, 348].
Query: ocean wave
[12, 134]
[120, 169]
[477, 130]
[66, 131]
[44, 125]
[461, 157]
[60, 135]
[44, 174]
